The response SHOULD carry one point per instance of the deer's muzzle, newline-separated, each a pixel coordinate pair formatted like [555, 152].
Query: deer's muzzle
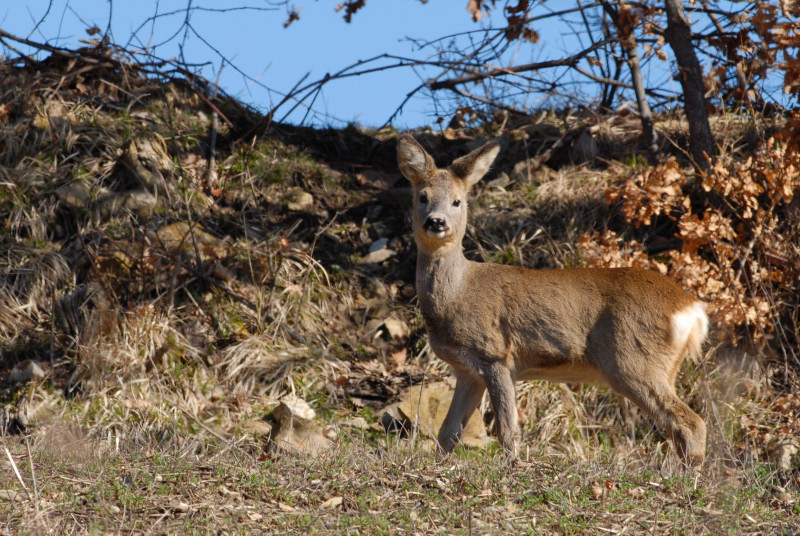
[435, 226]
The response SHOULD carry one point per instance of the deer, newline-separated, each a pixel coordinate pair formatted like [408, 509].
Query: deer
[626, 328]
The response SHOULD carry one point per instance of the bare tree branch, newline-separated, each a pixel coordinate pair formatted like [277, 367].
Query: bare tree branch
[503, 71]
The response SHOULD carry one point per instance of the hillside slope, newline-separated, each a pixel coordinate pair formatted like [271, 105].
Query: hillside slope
[173, 265]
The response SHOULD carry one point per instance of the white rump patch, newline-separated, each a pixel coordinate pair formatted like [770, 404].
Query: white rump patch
[689, 328]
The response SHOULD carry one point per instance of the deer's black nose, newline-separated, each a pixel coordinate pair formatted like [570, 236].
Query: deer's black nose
[436, 225]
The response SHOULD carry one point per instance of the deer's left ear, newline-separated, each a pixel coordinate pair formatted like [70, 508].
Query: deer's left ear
[472, 167]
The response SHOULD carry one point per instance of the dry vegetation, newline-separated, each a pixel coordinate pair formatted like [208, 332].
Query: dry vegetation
[169, 309]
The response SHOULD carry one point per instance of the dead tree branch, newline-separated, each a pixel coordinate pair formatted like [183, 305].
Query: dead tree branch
[493, 72]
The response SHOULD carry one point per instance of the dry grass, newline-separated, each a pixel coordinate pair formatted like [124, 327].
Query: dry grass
[368, 483]
[172, 318]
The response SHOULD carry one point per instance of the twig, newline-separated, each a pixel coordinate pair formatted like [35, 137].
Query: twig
[484, 100]
[33, 44]
[16, 472]
[211, 177]
[402, 104]
[214, 107]
[33, 477]
[415, 428]
[266, 121]
[204, 426]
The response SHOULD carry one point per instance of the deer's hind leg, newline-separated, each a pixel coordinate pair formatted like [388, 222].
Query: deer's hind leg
[671, 414]
[648, 381]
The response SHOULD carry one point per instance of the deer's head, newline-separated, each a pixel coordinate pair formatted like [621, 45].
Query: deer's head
[440, 195]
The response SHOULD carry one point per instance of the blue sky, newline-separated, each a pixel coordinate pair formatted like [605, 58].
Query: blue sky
[258, 45]
[267, 60]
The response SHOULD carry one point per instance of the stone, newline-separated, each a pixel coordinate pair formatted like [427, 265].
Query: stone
[378, 252]
[521, 172]
[146, 158]
[395, 328]
[585, 150]
[257, 427]
[137, 201]
[783, 453]
[181, 237]
[356, 423]
[298, 200]
[530, 172]
[292, 407]
[295, 429]
[378, 245]
[395, 422]
[26, 371]
[378, 179]
[76, 195]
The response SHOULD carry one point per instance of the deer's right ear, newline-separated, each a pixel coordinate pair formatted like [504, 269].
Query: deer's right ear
[414, 162]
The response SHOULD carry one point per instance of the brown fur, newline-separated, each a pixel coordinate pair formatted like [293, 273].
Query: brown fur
[626, 328]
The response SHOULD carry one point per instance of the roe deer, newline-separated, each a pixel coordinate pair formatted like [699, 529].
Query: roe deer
[627, 328]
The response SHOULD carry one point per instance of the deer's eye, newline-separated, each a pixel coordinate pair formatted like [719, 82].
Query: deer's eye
[457, 203]
[423, 199]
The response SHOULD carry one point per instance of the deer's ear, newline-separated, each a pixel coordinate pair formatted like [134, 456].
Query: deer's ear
[472, 167]
[414, 162]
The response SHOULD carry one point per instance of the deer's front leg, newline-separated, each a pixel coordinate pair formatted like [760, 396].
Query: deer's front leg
[467, 397]
[503, 394]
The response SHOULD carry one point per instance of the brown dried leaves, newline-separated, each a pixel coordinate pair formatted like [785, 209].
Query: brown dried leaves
[649, 194]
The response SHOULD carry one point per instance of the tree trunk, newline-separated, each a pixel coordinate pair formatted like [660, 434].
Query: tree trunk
[649, 136]
[690, 76]
[628, 40]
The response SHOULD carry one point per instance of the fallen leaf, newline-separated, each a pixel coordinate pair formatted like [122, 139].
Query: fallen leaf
[398, 358]
[333, 502]
[597, 491]
[359, 423]
[224, 490]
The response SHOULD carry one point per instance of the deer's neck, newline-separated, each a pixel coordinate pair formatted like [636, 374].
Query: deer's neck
[440, 276]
